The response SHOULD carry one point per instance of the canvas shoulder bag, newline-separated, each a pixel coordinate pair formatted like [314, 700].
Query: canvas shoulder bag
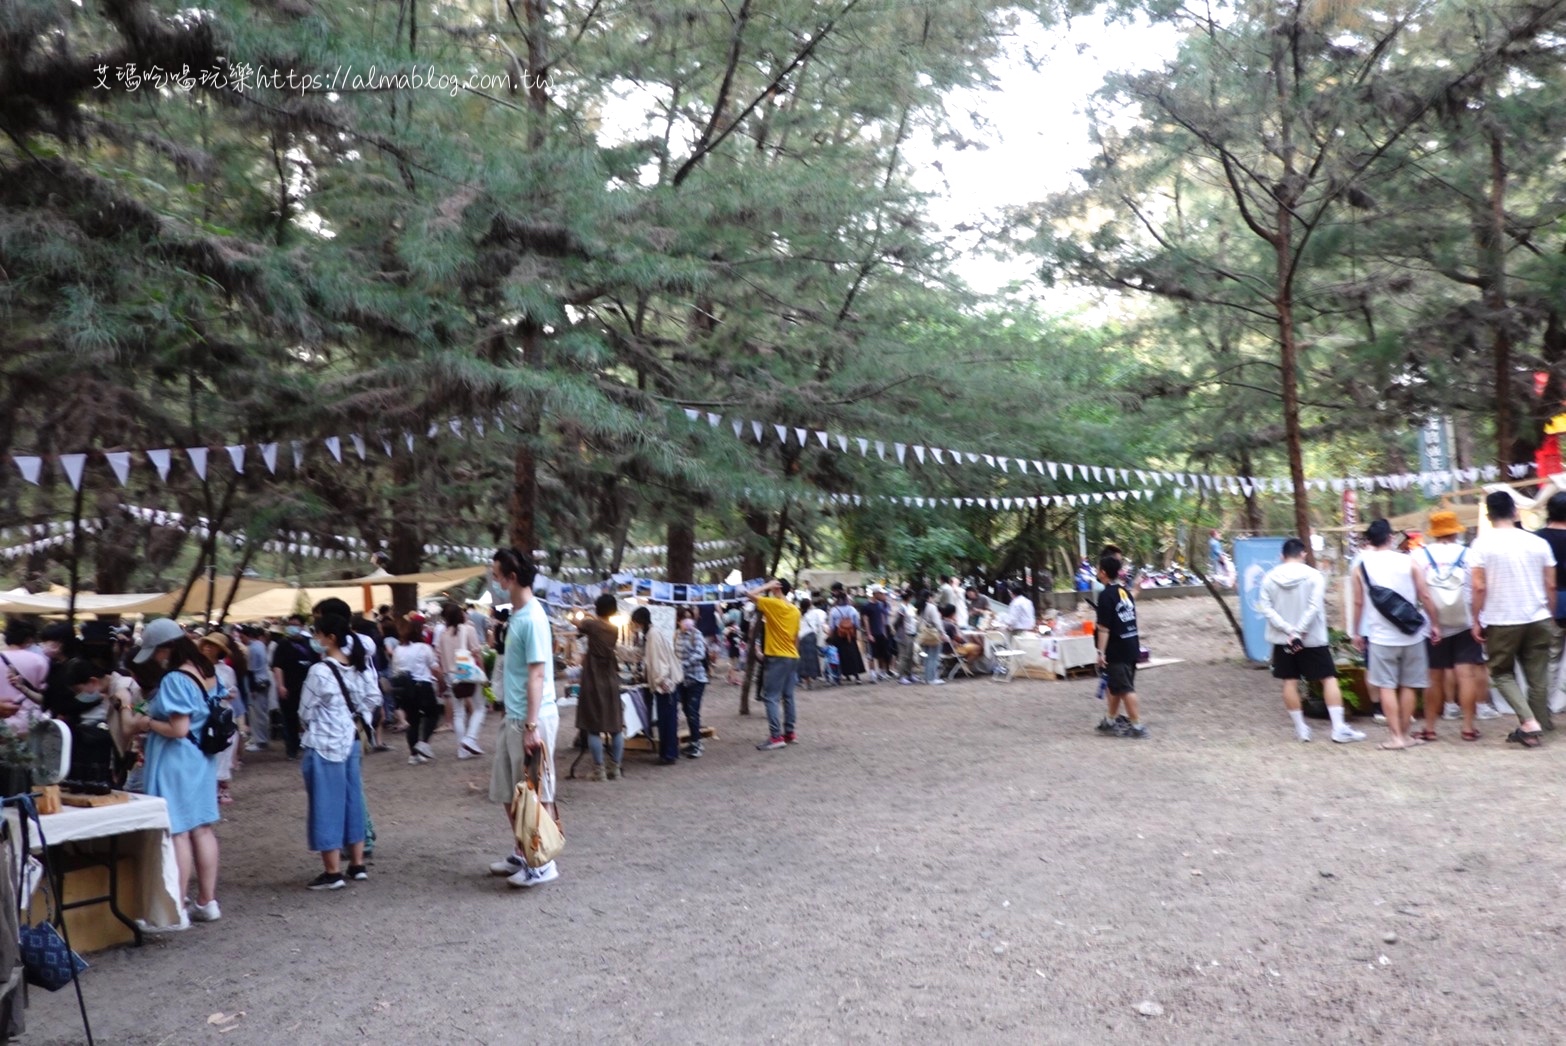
[538, 834]
[360, 727]
[1403, 615]
[1446, 592]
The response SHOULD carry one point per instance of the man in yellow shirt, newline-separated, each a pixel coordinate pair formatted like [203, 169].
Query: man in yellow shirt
[780, 648]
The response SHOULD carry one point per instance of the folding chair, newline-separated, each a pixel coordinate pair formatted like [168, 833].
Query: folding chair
[1007, 658]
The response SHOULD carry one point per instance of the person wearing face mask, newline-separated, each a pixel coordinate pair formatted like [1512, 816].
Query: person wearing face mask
[177, 770]
[291, 661]
[336, 693]
[214, 647]
[690, 646]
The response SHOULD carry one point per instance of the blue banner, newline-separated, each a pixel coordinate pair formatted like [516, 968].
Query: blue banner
[1253, 557]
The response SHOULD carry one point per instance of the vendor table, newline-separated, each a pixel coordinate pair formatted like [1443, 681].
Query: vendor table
[1061, 654]
[137, 830]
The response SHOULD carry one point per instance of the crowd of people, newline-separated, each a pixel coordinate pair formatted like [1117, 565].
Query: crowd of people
[329, 688]
[1449, 619]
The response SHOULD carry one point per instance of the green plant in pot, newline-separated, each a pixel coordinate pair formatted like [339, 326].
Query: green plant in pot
[1351, 680]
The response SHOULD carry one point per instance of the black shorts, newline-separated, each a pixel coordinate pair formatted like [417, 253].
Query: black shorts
[1461, 648]
[1122, 677]
[1313, 663]
[881, 648]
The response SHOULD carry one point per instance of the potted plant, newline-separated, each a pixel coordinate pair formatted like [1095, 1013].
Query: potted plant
[1351, 680]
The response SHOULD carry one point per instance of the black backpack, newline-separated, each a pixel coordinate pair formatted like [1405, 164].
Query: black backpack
[217, 733]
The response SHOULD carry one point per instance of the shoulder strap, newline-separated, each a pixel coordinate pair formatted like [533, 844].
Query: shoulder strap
[342, 685]
[1431, 557]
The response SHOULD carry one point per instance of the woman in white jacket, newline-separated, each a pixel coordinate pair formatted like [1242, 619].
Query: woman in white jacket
[1292, 599]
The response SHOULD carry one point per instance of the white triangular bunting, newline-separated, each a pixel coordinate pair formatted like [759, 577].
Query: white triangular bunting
[358, 443]
[297, 446]
[334, 446]
[713, 419]
[919, 453]
[1003, 464]
[800, 434]
[478, 426]
[821, 438]
[161, 460]
[198, 460]
[935, 452]
[1052, 466]
[782, 431]
[120, 462]
[880, 449]
[737, 425]
[1098, 472]
[407, 438]
[1067, 467]
[842, 443]
[692, 413]
[902, 451]
[73, 465]
[755, 427]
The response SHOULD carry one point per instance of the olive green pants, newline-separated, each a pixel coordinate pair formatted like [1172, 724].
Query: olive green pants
[1507, 646]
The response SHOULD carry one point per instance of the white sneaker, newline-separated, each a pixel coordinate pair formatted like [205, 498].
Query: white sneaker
[206, 913]
[1348, 735]
[937, 682]
[463, 753]
[424, 749]
[1486, 710]
[1379, 719]
[415, 760]
[535, 876]
[1451, 712]
[471, 746]
[1302, 734]
[509, 865]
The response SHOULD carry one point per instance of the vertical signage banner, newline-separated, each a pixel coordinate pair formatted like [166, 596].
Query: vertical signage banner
[1253, 557]
[1350, 522]
[1435, 453]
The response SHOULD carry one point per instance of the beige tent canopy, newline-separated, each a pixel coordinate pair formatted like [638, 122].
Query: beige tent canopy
[58, 602]
[374, 590]
[253, 599]
[816, 580]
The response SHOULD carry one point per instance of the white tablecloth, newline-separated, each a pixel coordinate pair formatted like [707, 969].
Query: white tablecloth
[143, 827]
[1070, 651]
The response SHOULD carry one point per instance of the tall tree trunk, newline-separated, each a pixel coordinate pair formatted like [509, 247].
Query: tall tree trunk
[753, 561]
[406, 547]
[1253, 513]
[1289, 360]
[680, 564]
[1493, 259]
[524, 488]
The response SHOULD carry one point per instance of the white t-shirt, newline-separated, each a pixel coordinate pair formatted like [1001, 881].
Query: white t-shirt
[1444, 556]
[1514, 562]
[416, 659]
[1392, 569]
[813, 620]
[1019, 614]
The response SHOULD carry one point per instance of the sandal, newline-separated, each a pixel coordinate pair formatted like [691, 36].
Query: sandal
[1471, 735]
[1427, 735]
[1527, 740]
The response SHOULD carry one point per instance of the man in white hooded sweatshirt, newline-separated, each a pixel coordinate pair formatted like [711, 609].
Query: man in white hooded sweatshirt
[1292, 600]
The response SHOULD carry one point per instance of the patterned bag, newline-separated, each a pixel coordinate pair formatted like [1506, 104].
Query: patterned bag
[47, 960]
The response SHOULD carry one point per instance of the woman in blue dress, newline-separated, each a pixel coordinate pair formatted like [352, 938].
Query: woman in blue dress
[177, 770]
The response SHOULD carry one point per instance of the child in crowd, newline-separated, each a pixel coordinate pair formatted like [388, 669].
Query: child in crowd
[1119, 649]
[834, 666]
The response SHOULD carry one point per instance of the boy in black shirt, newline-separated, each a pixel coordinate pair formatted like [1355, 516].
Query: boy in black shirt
[1119, 649]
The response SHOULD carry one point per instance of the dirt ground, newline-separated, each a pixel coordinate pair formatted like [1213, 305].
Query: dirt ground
[968, 863]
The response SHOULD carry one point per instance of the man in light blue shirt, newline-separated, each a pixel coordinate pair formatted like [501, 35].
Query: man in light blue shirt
[532, 723]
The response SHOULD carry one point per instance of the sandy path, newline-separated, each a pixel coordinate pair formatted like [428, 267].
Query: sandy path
[969, 863]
